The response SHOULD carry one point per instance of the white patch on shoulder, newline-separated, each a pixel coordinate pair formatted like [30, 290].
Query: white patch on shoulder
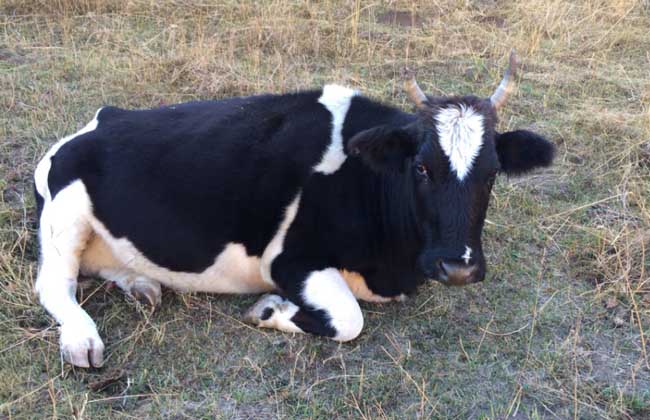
[43, 167]
[337, 101]
[326, 290]
[467, 255]
[460, 131]
[275, 247]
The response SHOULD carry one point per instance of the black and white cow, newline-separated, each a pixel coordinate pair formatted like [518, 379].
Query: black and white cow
[320, 197]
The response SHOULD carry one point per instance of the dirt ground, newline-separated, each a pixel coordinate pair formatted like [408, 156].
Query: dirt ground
[560, 326]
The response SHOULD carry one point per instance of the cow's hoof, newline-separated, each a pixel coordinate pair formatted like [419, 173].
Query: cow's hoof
[265, 308]
[81, 345]
[146, 291]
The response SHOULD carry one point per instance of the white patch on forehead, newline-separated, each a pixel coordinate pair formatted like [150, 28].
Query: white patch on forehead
[337, 101]
[467, 255]
[460, 132]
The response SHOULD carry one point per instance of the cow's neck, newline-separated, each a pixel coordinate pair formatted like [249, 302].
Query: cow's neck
[399, 236]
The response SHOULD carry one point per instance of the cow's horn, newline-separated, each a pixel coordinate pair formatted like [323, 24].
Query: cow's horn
[412, 89]
[500, 95]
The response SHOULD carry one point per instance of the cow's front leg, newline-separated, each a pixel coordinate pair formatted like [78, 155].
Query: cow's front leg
[319, 302]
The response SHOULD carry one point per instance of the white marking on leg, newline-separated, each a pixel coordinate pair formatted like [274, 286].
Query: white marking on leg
[337, 101]
[282, 310]
[326, 290]
[63, 232]
[275, 247]
[460, 132]
[467, 255]
[43, 168]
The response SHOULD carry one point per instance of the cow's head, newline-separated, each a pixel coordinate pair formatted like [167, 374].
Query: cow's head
[452, 154]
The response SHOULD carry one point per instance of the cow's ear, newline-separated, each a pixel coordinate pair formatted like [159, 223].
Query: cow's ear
[384, 148]
[522, 151]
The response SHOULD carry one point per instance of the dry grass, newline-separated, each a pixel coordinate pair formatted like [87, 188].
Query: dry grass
[560, 328]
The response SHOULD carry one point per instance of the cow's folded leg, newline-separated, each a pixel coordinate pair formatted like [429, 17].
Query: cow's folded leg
[321, 303]
[98, 260]
[141, 288]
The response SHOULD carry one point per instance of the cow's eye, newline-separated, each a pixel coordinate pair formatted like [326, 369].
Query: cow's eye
[421, 169]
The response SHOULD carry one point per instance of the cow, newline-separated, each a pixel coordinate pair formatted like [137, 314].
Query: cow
[317, 198]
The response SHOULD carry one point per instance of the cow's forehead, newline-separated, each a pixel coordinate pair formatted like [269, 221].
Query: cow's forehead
[460, 129]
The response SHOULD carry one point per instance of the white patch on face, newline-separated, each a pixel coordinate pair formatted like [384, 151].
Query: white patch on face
[337, 101]
[274, 248]
[467, 255]
[43, 169]
[326, 290]
[460, 132]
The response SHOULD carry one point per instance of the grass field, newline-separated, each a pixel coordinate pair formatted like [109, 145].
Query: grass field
[559, 329]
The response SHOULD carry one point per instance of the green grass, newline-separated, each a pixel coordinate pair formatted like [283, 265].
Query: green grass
[555, 331]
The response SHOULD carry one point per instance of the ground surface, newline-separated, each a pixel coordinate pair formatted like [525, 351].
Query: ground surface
[560, 327]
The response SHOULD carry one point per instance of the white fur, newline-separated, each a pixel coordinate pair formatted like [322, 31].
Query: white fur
[275, 247]
[43, 169]
[326, 290]
[63, 233]
[337, 101]
[460, 131]
[467, 255]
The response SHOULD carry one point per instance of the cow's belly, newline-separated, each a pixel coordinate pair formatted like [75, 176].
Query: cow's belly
[233, 271]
